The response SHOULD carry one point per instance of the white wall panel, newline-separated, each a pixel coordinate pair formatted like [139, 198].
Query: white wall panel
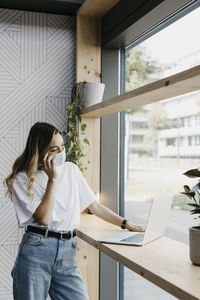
[37, 72]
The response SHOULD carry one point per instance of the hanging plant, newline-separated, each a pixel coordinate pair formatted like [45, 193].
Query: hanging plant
[75, 129]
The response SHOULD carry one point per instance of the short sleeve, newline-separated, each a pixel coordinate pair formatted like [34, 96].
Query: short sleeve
[86, 195]
[24, 206]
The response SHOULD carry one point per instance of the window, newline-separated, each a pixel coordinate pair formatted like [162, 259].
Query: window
[197, 140]
[190, 140]
[158, 152]
[137, 124]
[170, 142]
[136, 139]
[165, 53]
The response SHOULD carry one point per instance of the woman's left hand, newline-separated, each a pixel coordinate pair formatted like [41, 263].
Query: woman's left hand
[133, 227]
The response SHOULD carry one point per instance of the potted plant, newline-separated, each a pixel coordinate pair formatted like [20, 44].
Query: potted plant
[194, 231]
[73, 146]
[91, 93]
[83, 94]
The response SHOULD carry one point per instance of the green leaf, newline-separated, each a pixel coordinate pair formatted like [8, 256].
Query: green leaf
[76, 160]
[83, 126]
[71, 145]
[71, 124]
[79, 118]
[69, 133]
[195, 211]
[186, 188]
[69, 108]
[86, 141]
[192, 173]
[190, 195]
[193, 204]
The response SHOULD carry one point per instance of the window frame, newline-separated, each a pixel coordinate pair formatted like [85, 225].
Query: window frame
[116, 86]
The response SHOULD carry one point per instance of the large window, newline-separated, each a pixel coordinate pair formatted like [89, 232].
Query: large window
[161, 139]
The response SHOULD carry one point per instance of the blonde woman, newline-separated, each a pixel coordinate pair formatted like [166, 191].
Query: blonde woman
[48, 195]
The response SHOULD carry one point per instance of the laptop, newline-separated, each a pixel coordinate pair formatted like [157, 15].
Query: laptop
[155, 226]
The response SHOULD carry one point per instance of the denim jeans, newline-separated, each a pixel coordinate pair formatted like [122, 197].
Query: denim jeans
[47, 265]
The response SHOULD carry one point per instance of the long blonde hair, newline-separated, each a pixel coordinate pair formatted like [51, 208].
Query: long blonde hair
[30, 160]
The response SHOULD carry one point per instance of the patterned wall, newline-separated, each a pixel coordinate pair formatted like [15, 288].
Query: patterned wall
[37, 66]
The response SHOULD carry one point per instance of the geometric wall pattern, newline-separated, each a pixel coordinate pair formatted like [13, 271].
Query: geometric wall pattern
[37, 72]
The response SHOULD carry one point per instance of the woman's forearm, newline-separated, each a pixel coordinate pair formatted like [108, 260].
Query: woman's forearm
[44, 211]
[106, 214]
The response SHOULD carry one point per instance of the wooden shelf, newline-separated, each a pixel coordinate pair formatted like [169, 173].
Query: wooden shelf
[164, 262]
[172, 86]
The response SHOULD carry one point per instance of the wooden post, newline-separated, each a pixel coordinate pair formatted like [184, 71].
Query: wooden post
[88, 61]
[88, 68]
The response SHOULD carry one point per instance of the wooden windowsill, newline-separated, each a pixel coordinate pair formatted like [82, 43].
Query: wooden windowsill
[164, 262]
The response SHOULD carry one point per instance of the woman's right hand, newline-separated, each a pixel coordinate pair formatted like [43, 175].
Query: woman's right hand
[49, 166]
[133, 227]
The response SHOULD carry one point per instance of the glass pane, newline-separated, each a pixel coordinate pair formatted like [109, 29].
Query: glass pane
[161, 139]
[172, 50]
[161, 143]
[138, 288]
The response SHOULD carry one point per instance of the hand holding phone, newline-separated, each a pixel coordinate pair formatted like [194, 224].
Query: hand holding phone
[49, 166]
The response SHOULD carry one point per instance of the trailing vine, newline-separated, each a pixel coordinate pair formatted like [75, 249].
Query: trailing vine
[73, 146]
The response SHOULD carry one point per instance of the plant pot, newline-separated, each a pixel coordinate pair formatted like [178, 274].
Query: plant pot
[194, 239]
[91, 93]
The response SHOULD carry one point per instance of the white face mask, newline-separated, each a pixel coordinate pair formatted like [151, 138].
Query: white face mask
[59, 158]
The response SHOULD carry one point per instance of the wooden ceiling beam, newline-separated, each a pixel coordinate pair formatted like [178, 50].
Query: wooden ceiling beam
[96, 8]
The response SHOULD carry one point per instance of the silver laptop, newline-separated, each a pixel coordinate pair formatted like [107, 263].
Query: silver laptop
[155, 226]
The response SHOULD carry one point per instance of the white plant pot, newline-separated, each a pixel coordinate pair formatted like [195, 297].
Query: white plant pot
[91, 93]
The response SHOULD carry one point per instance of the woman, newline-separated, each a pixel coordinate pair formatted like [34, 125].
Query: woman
[49, 194]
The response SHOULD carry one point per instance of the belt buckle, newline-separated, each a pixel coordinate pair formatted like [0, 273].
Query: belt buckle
[61, 236]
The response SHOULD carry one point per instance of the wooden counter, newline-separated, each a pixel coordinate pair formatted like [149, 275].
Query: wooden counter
[164, 262]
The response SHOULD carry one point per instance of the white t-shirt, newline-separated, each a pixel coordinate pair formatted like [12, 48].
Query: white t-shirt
[73, 195]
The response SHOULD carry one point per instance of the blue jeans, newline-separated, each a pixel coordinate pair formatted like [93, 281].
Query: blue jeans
[47, 265]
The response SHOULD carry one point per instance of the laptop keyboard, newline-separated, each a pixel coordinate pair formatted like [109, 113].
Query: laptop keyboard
[137, 238]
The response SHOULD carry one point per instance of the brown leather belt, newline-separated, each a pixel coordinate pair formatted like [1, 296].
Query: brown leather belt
[60, 235]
